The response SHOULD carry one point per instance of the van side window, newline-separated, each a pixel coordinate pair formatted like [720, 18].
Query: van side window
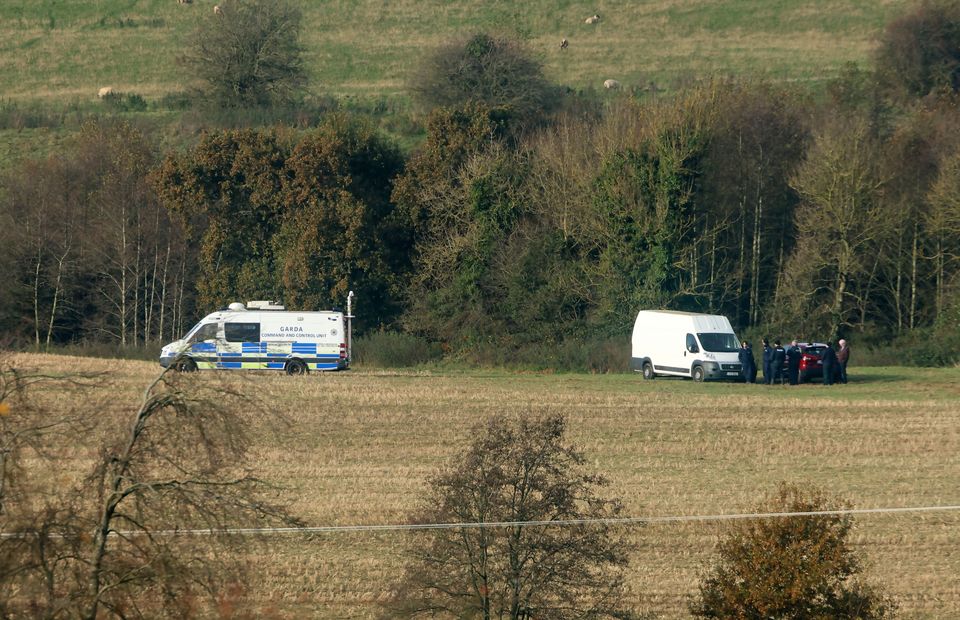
[207, 332]
[242, 332]
[692, 344]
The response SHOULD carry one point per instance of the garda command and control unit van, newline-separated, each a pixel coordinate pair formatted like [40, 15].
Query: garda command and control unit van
[264, 336]
[684, 344]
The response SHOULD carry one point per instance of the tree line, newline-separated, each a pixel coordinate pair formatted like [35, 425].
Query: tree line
[526, 215]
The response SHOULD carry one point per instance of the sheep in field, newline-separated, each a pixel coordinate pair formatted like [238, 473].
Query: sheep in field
[217, 10]
[611, 84]
[564, 44]
[103, 92]
[593, 19]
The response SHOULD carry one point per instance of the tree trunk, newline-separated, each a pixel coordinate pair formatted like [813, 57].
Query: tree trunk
[56, 297]
[913, 275]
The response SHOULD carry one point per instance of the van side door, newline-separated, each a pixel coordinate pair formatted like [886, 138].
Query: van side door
[241, 346]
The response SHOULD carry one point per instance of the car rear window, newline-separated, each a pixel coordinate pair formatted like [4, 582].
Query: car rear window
[814, 350]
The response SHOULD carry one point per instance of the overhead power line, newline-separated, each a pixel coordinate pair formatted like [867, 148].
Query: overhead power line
[625, 521]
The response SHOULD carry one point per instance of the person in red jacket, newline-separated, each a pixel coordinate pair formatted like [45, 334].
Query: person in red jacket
[843, 356]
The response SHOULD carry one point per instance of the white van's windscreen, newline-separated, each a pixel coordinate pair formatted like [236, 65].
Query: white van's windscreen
[207, 332]
[719, 343]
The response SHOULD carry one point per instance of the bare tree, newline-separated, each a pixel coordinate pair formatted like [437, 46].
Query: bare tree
[103, 545]
[248, 53]
[942, 220]
[840, 227]
[497, 72]
[516, 471]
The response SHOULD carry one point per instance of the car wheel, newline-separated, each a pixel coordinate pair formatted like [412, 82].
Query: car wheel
[296, 367]
[185, 364]
[648, 371]
[697, 374]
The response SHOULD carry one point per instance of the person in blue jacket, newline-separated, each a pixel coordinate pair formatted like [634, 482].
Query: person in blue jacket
[829, 364]
[748, 367]
[767, 362]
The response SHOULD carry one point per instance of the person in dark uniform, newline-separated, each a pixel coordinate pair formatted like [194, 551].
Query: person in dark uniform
[748, 367]
[843, 356]
[829, 364]
[793, 363]
[779, 356]
[767, 362]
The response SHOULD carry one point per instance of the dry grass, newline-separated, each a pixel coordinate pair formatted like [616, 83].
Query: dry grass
[360, 445]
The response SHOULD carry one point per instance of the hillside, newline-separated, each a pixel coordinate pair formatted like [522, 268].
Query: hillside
[62, 51]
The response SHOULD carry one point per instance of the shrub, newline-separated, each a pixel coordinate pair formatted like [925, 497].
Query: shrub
[125, 102]
[790, 567]
[384, 349]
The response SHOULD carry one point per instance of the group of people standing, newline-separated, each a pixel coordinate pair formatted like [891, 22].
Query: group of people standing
[777, 356]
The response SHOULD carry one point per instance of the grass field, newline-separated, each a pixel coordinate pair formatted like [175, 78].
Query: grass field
[62, 50]
[362, 443]
[56, 54]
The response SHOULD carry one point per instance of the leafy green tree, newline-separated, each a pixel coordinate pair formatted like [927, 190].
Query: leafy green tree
[497, 72]
[790, 567]
[228, 192]
[644, 200]
[248, 53]
[516, 471]
[302, 219]
[340, 230]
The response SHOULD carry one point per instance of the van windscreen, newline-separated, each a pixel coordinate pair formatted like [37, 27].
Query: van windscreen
[719, 343]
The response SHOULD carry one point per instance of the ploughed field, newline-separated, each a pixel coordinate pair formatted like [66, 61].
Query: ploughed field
[358, 447]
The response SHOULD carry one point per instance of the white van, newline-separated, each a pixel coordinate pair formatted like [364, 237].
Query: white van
[263, 335]
[684, 344]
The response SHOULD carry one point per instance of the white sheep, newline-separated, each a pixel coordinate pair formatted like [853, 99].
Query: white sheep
[611, 84]
[103, 92]
[593, 19]
[217, 10]
[184, 1]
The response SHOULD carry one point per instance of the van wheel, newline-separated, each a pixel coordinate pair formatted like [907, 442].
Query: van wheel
[185, 364]
[698, 374]
[296, 367]
[648, 371]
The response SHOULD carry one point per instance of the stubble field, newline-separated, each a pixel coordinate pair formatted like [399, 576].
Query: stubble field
[359, 446]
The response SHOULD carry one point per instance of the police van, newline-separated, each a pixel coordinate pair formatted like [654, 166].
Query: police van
[263, 335]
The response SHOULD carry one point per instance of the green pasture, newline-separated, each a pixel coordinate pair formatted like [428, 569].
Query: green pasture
[56, 54]
[61, 50]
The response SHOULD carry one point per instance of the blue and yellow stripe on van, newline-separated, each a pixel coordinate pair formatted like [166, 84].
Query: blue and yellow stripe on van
[263, 356]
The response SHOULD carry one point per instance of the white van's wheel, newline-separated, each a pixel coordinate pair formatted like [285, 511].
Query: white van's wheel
[648, 371]
[296, 367]
[698, 374]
